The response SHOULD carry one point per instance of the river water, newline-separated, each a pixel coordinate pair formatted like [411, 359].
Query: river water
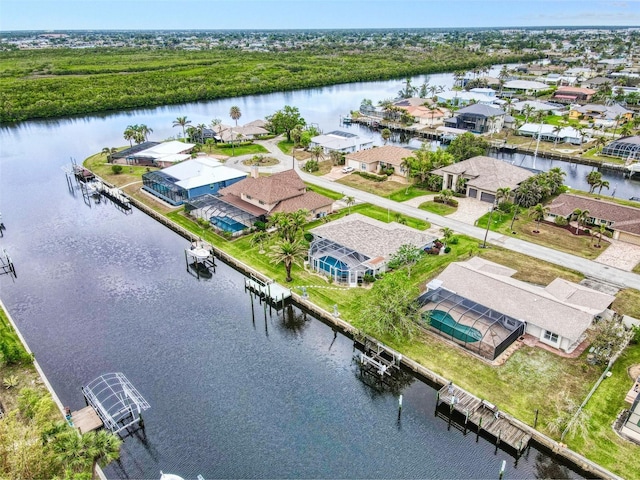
[233, 394]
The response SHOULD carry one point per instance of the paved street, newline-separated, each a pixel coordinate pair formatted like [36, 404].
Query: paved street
[587, 267]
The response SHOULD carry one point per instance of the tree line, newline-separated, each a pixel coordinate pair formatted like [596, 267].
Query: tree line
[61, 82]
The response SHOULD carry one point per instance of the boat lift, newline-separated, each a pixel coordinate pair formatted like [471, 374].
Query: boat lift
[116, 401]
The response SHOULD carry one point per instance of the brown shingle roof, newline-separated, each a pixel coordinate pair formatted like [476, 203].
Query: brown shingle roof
[625, 219]
[487, 173]
[272, 189]
[388, 154]
[308, 201]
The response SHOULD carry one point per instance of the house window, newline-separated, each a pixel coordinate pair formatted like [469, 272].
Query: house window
[550, 336]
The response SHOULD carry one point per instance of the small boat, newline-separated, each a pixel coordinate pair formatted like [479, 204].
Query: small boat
[169, 476]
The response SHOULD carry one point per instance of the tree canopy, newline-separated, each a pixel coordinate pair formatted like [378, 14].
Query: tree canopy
[466, 146]
[285, 120]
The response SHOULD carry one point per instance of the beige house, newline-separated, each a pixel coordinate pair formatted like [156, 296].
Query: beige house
[378, 158]
[483, 176]
[557, 315]
[280, 192]
[623, 221]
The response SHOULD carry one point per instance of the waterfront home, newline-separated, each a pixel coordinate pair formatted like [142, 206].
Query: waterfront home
[550, 133]
[339, 141]
[482, 177]
[622, 221]
[190, 179]
[478, 118]
[525, 87]
[461, 98]
[625, 147]
[537, 106]
[561, 80]
[353, 246]
[483, 296]
[376, 159]
[162, 154]
[229, 133]
[573, 94]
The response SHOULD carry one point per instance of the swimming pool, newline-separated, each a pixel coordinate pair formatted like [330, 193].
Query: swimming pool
[227, 224]
[333, 266]
[441, 320]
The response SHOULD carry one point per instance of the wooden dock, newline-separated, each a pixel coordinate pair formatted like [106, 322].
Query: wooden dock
[272, 291]
[485, 416]
[86, 420]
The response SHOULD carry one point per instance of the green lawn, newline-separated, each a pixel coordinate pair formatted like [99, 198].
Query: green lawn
[404, 194]
[437, 208]
[325, 191]
[236, 151]
[387, 188]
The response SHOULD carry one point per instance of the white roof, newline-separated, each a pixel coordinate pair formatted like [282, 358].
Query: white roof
[465, 96]
[519, 106]
[562, 307]
[201, 171]
[525, 85]
[544, 129]
[165, 148]
[338, 142]
[174, 158]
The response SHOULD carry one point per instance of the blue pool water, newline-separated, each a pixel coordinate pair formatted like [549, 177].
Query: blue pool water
[444, 322]
[332, 266]
[227, 224]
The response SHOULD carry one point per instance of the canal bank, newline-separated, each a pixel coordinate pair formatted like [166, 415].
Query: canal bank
[366, 342]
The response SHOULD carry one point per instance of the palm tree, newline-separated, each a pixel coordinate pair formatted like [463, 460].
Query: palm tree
[593, 178]
[109, 153]
[386, 134]
[447, 233]
[581, 216]
[600, 143]
[201, 127]
[349, 201]
[556, 130]
[288, 252]
[144, 131]
[317, 152]
[502, 194]
[601, 230]
[235, 114]
[80, 452]
[538, 213]
[130, 134]
[259, 238]
[602, 184]
[181, 122]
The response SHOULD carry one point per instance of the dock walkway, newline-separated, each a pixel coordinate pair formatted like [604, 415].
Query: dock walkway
[485, 416]
[86, 419]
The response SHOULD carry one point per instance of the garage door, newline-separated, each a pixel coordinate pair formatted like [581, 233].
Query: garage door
[487, 197]
[473, 193]
[629, 238]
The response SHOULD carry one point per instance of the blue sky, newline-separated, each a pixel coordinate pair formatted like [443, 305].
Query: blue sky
[288, 14]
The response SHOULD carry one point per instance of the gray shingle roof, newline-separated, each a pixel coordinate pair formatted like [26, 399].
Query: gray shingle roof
[487, 173]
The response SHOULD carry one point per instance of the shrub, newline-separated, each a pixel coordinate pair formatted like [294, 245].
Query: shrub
[368, 278]
[260, 226]
[447, 249]
[635, 338]
[561, 221]
[13, 354]
[311, 166]
[372, 176]
[308, 237]
[453, 241]
[505, 207]
[116, 169]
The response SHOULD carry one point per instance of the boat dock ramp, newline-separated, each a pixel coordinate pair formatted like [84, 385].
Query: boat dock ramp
[270, 291]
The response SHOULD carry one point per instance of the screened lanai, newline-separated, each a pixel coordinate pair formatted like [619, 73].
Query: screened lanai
[626, 147]
[343, 264]
[477, 328]
[164, 186]
[222, 215]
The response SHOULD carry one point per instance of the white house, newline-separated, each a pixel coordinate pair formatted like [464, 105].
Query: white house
[343, 142]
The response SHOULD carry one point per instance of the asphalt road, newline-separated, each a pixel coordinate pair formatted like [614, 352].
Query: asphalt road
[588, 267]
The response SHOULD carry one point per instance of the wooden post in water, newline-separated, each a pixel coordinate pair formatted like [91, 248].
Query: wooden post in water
[478, 431]
[504, 464]
[400, 405]
[466, 419]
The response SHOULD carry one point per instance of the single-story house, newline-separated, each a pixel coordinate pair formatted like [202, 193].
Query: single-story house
[597, 82]
[550, 134]
[489, 92]
[377, 158]
[189, 179]
[526, 87]
[162, 154]
[573, 94]
[340, 141]
[281, 192]
[478, 118]
[228, 133]
[483, 176]
[538, 106]
[355, 245]
[558, 79]
[625, 147]
[462, 98]
[557, 315]
[623, 221]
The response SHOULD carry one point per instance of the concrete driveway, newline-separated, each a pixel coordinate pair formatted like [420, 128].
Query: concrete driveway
[621, 255]
[469, 210]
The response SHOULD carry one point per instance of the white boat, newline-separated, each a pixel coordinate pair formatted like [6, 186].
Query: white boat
[169, 476]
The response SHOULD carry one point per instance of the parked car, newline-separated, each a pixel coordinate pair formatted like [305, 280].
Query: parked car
[348, 169]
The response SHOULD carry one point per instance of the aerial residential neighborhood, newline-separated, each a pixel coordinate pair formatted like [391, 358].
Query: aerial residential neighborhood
[274, 252]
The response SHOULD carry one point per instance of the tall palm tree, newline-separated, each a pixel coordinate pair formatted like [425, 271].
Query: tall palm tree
[602, 184]
[593, 178]
[317, 152]
[581, 217]
[235, 113]
[288, 253]
[537, 213]
[601, 230]
[145, 131]
[130, 134]
[502, 194]
[81, 452]
[349, 200]
[181, 122]
[385, 134]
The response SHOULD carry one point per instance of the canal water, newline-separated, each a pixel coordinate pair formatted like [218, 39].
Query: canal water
[233, 394]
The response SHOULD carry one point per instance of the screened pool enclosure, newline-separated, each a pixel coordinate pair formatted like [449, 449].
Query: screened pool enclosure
[164, 186]
[222, 215]
[626, 147]
[341, 263]
[469, 324]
